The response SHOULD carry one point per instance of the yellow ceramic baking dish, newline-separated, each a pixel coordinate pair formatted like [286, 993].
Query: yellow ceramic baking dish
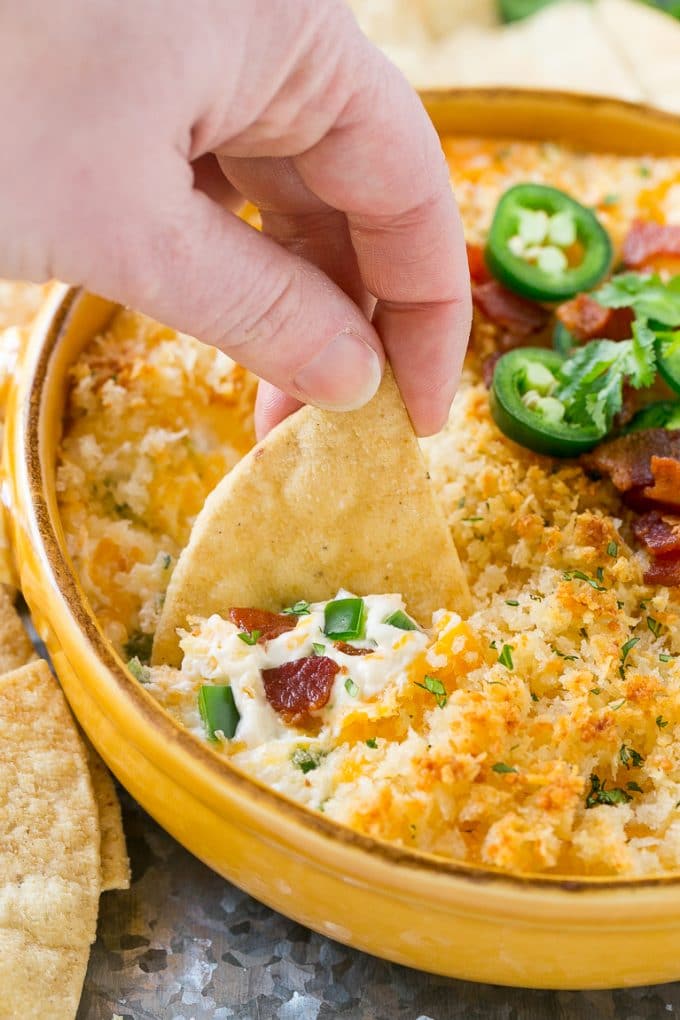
[408, 907]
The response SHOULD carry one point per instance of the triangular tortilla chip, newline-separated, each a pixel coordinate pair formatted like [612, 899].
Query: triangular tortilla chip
[326, 501]
[114, 858]
[50, 873]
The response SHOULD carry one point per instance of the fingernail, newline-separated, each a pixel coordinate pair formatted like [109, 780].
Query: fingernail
[342, 376]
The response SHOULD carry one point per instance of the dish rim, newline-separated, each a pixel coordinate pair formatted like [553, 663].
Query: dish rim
[218, 768]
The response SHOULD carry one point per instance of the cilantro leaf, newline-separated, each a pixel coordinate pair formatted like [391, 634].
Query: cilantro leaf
[598, 794]
[646, 293]
[642, 360]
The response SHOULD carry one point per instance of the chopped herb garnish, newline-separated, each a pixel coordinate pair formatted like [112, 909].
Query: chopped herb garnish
[661, 722]
[625, 649]
[305, 759]
[472, 520]
[537, 598]
[492, 644]
[345, 619]
[167, 560]
[436, 687]
[665, 657]
[644, 171]
[599, 574]
[139, 670]
[598, 794]
[511, 602]
[318, 649]
[351, 687]
[496, 683]
[300, 608]
[584, 633]
[250, 637]
[631, 758]
[619, 604]
[561, 655]
[596, 690]
[635, 787]
[372, 743]
[578, 575]
[505, 658]
[534, 697]
[616, 705]
[612, 550]
[139, 646]
[502, 769]
[218, 710]
[654, 625]
[401, 621]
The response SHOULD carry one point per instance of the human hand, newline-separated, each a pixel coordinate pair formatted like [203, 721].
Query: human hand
[132, 131]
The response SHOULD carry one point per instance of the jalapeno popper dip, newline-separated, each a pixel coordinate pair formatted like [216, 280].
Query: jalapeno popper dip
[540, 733]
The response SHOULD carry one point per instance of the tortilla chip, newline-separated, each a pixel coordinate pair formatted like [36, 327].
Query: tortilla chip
[15, 645]
[326, 501]
[114, 859]
[49, 849]
[649, 41]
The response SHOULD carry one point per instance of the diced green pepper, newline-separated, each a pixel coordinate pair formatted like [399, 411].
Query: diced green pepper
[218, 710]
[345, 619]
[401, 621]
[531, 244]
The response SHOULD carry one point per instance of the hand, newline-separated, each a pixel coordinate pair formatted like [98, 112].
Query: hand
[131, 132]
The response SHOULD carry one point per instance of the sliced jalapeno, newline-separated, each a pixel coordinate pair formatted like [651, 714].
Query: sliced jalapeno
[545, 245]
[524, 408]
[664, 414]
[668, 358]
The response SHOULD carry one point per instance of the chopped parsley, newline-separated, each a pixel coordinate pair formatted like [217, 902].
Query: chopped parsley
[534, 697]
[472, 520]
[511, 602]
[505, 658]
[351, 687]
[665, 657]
[627, 649]
[435, 687]
[635, 787]
[250, 637]
[139, 670]
[630, 758]
[598, 794]
[372, 743]
[578, 575]
[613, 550]
[167, 560]
[305, 759]
[596, 690]
[616, 705]
[661, 722]
[502, 769]
[138, 646]
[654, 625]
[300, 608]
[561, 655]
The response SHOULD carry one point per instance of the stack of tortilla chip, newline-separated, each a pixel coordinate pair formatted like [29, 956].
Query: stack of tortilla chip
[61, 836]
[61, 832]
[619, 48]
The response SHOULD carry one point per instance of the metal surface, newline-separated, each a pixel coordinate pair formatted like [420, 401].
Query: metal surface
[183, 944]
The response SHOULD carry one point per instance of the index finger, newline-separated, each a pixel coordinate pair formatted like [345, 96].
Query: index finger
[382, 165]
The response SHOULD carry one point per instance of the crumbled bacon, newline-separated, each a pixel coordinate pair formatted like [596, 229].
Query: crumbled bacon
[666, 487]
[663, 572]
[479, 272]
[300, 687]
[516, 314]
[647, 240]
[270, 625]
[588, 320]
[342, 646]
[658, 533]
[628, 459]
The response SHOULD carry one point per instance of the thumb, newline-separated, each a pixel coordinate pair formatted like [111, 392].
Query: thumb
[217, 278]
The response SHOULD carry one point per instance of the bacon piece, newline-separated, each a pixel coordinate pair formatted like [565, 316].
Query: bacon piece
[479, 271]
[270, 625]
[647, 240]
[659, 534]
[300, 687]
[628, 459]
[342, 646]
[588, 320]
[666, 487]
[509, 311]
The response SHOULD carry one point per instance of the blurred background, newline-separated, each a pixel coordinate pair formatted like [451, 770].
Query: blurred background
[624, 48]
